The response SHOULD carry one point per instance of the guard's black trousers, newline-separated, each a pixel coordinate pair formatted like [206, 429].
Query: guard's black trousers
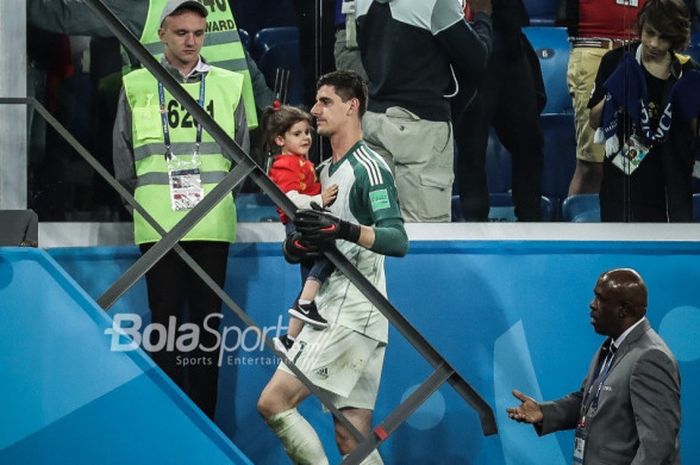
[175, 290]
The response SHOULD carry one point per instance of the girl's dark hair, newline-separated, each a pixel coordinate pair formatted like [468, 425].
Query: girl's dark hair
[670, 18]
[275, 121]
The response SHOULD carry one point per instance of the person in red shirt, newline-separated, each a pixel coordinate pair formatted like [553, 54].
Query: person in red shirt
[594, 27]
[288, 140]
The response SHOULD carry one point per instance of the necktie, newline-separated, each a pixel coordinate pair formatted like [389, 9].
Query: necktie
[610, 350]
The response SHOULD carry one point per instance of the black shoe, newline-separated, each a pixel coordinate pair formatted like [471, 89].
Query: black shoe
[308, 313]
[283, 343]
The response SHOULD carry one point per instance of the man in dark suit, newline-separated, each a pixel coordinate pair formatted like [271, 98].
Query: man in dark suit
[510, 98]
[628, 409]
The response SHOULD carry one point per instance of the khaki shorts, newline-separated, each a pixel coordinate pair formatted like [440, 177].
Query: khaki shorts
[580, 77]
[420, 154]
[341, 361]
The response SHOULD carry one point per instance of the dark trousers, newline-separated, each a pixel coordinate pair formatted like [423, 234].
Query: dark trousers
[506, 99]
[659, 190]
[173, 290]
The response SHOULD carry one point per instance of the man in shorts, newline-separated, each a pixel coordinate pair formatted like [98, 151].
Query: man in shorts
[594, 27]
[345, 360]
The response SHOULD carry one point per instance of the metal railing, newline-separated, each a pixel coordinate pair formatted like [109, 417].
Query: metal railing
[244, 167]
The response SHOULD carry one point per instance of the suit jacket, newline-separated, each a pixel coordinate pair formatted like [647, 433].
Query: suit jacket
[637, 421]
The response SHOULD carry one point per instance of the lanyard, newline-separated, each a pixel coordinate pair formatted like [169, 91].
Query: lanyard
[164, 118]
[604, 370]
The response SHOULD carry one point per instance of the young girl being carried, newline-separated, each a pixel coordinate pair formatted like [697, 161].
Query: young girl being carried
[288, 139]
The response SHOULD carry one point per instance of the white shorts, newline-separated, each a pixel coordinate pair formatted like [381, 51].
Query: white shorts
[341, 361]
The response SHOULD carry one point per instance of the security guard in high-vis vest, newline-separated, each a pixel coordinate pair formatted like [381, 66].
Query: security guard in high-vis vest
[170, 163]
[223, 47]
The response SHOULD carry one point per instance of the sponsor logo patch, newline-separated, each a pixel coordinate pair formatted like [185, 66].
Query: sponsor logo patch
[379, 200]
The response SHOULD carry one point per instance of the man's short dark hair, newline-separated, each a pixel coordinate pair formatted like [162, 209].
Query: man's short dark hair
[670, 18]
[348, 84]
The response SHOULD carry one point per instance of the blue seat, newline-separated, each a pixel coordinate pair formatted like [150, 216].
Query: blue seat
[286, 56]
[269, 37]
[498, 165]
[245, 38]
[502, 208]
[255, 208]
[581, 208]
[542, 12]
[254, 15]
[559, 154]
[559, 158]
[552, 47]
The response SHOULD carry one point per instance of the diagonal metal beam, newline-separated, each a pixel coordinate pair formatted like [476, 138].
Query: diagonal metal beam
[168, 240]
[230, 148]
[230, 303]
[422, 345]
[399, 415]
[240, 313]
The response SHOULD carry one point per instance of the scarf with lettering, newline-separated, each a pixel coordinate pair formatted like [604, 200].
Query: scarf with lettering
[627, 92]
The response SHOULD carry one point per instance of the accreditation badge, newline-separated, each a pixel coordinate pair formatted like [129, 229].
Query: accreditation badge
[185, 182]
[631, 155]
[579, 446]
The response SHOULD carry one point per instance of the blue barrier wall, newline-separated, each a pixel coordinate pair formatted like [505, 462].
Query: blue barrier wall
[66, 398]
[506, 314]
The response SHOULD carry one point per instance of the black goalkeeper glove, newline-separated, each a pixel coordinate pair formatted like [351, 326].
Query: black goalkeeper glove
[296, 249]
[317, 226]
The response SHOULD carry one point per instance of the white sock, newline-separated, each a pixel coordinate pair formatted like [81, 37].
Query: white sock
[372, 459]
[304, 302]
[298, 438]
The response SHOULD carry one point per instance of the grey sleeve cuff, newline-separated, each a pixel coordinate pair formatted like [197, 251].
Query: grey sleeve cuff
[242, 136]
[122, 148]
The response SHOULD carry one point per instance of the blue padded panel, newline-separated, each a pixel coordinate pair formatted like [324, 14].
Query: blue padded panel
[512, 350]
[66, 394]
[581, 208]
[504, 313]
[552, 48]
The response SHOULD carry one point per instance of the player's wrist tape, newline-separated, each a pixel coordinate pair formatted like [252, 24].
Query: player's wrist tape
[349, 231]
